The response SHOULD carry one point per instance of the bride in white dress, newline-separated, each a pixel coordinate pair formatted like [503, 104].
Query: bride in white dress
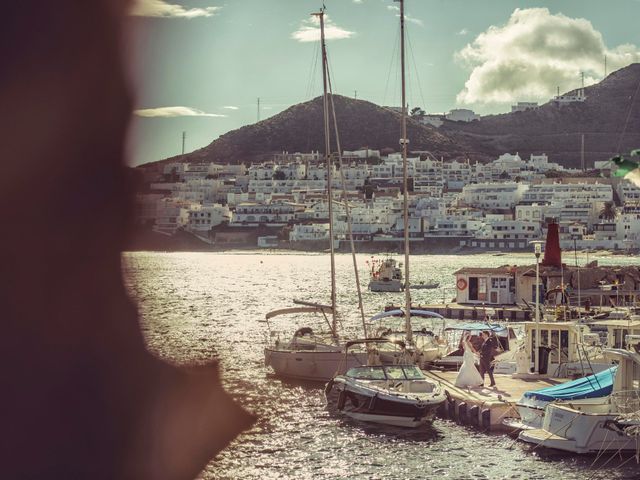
[468, 376]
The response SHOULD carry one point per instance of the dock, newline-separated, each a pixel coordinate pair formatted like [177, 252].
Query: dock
[484, 407]
[505, 313]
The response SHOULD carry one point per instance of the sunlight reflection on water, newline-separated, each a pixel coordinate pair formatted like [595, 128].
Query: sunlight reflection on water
[195, 307]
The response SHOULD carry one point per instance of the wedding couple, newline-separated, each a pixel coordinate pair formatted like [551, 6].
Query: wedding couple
[469, 376]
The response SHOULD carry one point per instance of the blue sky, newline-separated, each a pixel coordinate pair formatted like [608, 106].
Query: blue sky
[200, 65]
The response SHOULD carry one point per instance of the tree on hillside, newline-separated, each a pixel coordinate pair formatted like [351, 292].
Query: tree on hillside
[417, 112]
[608, 212]
[279, 175]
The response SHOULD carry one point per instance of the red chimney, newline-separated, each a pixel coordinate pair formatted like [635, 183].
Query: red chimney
[552, 255]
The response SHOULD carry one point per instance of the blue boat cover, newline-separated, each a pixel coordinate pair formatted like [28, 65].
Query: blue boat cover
[591, 386]
[479, 326]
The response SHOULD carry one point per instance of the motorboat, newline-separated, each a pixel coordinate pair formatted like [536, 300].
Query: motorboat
[598, 426]
[397, 395]
[581, 392]
[386, 275]
[425, 344]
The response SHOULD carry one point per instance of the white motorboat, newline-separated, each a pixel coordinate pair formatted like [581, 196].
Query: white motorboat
[595, 426]
[386, 275]
[397, 395]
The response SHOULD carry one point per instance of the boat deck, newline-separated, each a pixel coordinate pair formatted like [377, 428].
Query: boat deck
[485, 407]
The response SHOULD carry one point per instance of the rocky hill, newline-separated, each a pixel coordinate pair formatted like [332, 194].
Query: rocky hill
[551, 129]
[557, 130]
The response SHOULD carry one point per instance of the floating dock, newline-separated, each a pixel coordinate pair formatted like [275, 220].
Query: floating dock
[513, 313]
[485, 407]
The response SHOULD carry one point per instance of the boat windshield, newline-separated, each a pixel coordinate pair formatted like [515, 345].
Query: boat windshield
[412, 372]
[367, 373]
[386, 372]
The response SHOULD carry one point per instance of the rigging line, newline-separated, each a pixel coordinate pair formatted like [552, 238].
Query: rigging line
[347, 209]
[415, 66]
[313, 72]
[626, 123]
[393, 56]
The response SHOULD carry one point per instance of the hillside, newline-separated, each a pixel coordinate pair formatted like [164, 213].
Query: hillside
[300, 129]
[557, 130]
[550, 129]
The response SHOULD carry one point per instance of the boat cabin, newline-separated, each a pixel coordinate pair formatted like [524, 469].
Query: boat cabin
[619, 329]
[564, 352]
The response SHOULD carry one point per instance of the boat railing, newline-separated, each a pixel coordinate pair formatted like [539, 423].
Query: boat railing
[626, 401]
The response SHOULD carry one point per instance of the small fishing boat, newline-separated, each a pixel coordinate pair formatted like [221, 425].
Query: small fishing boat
[398, 395]
[386, 275]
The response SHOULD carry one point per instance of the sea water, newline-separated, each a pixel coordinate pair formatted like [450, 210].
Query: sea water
[198, 306]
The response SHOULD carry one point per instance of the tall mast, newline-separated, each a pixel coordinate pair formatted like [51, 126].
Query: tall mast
[327, 149]
[405, 174]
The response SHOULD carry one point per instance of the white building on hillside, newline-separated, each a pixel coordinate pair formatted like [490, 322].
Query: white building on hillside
[524, 106]
[203, 217]
[462, 115]
[493, 196]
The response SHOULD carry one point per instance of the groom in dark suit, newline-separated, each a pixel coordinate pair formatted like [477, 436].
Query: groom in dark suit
[487, 354]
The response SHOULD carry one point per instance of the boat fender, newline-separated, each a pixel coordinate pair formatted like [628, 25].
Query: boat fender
[486, 418]
[342, 397]
[462, 413]
[372, 402]
[328, 387]
[474, 415]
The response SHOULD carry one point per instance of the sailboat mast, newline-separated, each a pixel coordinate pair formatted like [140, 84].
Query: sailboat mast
[327, 147]
[405, 175]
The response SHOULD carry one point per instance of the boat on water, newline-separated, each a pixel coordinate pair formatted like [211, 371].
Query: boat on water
[429, 285]
[581, 392]
[385, 275]
[308, 355]
[596, 426]
[425, 344]
[398, 395]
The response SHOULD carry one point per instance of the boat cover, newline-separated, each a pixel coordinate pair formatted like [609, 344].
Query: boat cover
[591, 386]
[498, 329]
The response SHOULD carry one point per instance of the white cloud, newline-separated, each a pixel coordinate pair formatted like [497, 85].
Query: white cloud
[532, 54]
[230, 107]
[160, 8]
[167, 112]
[464, 31]
[408, 18]
[309, 30]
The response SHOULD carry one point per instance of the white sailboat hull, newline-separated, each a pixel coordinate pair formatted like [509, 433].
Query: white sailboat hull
[314, 366]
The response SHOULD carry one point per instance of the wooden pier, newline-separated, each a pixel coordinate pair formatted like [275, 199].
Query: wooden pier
[457, 311]
[484, 407]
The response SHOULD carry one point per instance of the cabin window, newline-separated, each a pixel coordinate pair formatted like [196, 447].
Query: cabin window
[395, 373]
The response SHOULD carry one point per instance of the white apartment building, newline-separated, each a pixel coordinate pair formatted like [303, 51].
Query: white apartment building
[433, 119]
[203, 217]
[292, 170]
[363, 153]
[172, 214]
[271, 213]
[453, 226]
[493, 196]
[462, 115]
[270, 187]
[628, 224]
[628, 191]
[568, 192]
[310, 232]
[286, 157]
[262, 171]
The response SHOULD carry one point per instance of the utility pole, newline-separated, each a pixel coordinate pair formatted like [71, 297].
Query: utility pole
[582, 152]
[582, 75]
[258, 109]
[355, 94]
[184, 138]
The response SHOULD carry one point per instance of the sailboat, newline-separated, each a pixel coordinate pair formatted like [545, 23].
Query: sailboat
[397, 394]
[308, 355]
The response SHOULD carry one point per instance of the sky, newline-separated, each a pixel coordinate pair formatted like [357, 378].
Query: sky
[199, 66]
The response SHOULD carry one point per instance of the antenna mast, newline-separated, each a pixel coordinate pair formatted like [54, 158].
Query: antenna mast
[258, 109]
[184, 137]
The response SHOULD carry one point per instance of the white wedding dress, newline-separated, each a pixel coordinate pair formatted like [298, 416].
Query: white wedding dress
[468, 376]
